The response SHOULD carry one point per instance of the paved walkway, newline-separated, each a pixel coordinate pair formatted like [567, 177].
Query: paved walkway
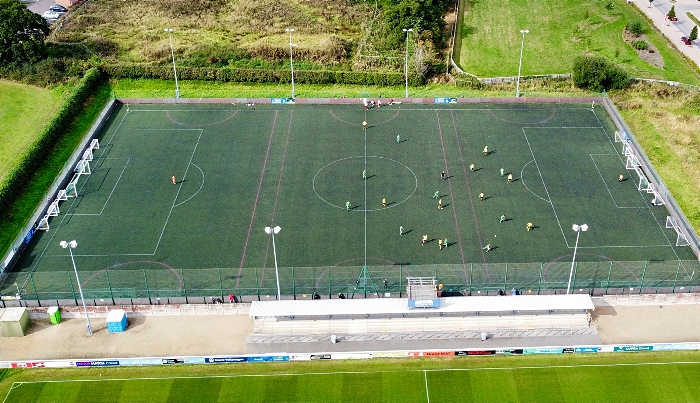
[174, 331]
[674, 30]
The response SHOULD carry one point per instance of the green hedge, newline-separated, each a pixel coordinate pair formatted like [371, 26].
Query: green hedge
[136, 71]
[17, 179]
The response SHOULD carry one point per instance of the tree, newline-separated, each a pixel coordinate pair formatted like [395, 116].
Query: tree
[672, 13]
[693, 33]
[22, 34]
[597, 73]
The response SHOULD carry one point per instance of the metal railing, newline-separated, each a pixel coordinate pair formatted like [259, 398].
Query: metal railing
[200, 285]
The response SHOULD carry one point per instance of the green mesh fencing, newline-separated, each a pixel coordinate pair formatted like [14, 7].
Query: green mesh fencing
[301, 282]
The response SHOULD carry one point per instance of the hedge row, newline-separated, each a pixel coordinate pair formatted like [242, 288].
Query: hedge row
[17, 179]
[137, 71]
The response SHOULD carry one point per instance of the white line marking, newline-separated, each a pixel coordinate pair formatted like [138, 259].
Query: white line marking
[427, 393]
[14, 385]
[522, 179]
[178, 190]
[110, 193]
[509, 368]
[415, 187]
[556, 216]
[200, 187]
[365, 210]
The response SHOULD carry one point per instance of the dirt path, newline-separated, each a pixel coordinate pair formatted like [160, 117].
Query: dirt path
[146, 336]
[188, 335]
[648, 324]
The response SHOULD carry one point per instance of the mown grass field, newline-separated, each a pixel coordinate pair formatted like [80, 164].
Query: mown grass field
[23, 111]
[618, 377]
[559, 31]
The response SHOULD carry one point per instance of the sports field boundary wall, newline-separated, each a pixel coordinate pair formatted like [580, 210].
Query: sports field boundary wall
[243, 308]
[60, 182]
[351, 355]
[655, 178]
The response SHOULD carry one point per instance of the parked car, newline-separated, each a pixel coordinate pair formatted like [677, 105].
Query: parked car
[686, 40]
[672, 19]
[51, 15]
[57, 8]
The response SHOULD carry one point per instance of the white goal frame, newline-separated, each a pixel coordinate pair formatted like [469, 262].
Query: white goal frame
[681, 240]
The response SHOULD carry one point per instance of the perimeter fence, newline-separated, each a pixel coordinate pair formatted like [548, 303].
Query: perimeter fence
[107, 287]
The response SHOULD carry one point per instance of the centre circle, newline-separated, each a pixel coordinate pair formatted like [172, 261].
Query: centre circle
[386, 179]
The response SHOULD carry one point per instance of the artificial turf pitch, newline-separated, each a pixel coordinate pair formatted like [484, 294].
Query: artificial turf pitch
[242, 168]
[622, 382]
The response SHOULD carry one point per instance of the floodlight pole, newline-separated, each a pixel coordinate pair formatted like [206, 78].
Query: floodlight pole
[172, 53]
[273, 231]
[578, 229]
[520, 65]
[405, 63]
[291, 62]
[71, 245]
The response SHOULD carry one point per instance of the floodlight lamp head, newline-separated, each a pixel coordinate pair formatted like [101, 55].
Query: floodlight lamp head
[524, 31]
[72, 244]
[168, 30]
[277, 229]
[584, 228]
[268, 230]
[289, 30]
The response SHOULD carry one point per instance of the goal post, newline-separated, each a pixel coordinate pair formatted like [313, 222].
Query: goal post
[681, 239]
[43, 223]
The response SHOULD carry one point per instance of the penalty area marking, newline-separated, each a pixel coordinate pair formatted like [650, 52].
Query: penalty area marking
[313, 183]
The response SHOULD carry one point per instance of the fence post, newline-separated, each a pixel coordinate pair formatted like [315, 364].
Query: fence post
[109, 285]
[676, 279]
[471, 270]
[72, 287]
[539, 282]
[607, 283]
[505, 278]
[644, 272]
[36, 294]
[221, 284]
[257, 283]
[184, 287]
[400, 280]
[294, 285]
[148, 291]
[329, 284]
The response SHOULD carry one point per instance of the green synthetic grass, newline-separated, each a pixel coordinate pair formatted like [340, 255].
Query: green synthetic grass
[559, 31]
[241, 168]
[23, 111]
[619, 377]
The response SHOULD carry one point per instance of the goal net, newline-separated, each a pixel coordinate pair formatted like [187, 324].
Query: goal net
[681, 240]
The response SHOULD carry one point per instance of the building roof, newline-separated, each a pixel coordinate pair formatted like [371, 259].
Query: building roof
[397, 306]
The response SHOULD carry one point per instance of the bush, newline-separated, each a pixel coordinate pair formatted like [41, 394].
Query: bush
[597, 73]
[640, 45]
[636, 27]
[136, 71]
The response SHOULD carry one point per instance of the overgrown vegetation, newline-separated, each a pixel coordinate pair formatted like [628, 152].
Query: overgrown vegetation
[597, 73]
[16, 184]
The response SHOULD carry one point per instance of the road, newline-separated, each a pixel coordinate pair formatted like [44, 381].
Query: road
[675, 30]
